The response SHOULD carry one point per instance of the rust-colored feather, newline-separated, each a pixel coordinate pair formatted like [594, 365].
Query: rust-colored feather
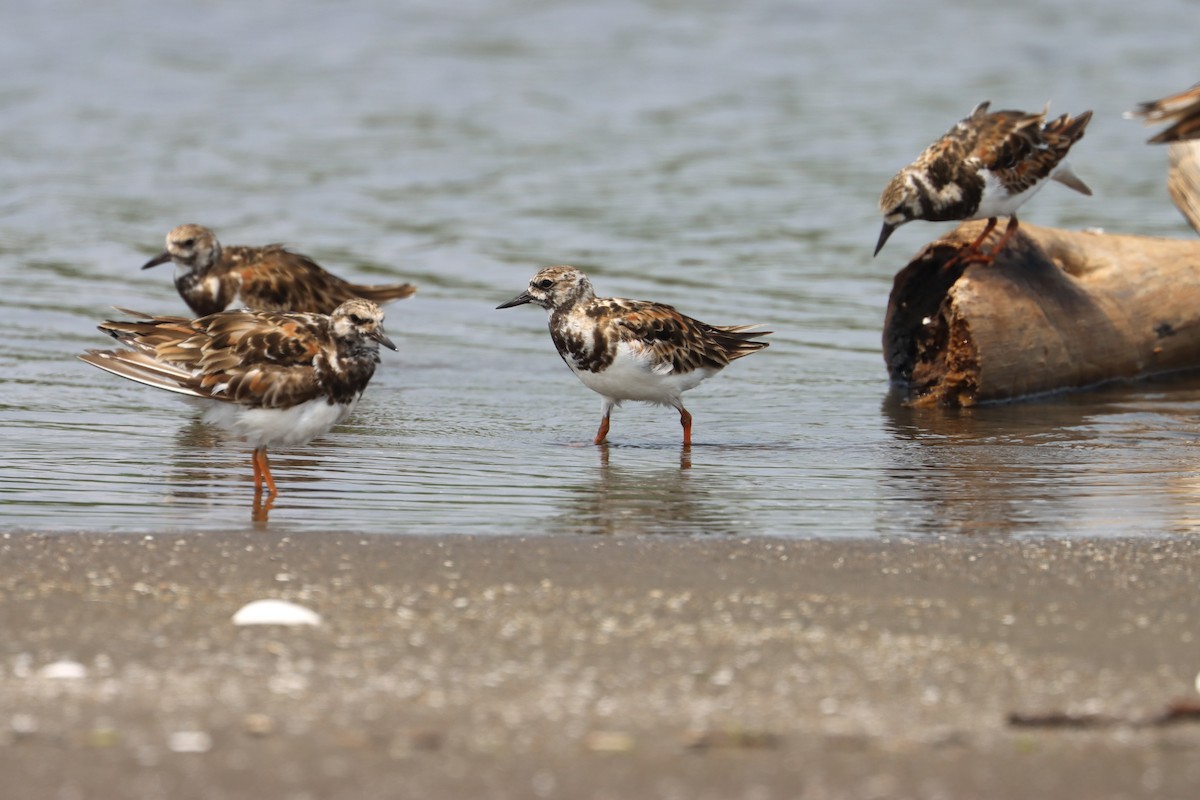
[275, 278]
[262, 359]
[1021, 150]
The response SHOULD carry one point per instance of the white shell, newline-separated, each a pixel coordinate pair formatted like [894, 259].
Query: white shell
[275, 612]
[189, 742]
[63, 670]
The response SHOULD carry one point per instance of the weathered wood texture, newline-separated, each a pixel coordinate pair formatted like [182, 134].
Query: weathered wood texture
[1057, 310]
[1183, 179]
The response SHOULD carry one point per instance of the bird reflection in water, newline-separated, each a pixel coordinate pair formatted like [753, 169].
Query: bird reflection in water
[635, 491]
[207, 461]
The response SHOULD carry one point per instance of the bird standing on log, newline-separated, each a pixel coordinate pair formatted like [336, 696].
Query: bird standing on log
[985, 167]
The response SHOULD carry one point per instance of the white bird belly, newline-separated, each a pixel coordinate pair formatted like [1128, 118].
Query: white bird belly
[631, 376]
[997, 202]
[272, 427]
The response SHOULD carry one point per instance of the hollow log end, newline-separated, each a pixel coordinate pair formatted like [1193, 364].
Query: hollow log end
[930, 355]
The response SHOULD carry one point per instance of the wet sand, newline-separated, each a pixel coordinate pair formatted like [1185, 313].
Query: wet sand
[596, 668]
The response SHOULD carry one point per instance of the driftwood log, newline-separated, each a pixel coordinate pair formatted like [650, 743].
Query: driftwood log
[1057, 310]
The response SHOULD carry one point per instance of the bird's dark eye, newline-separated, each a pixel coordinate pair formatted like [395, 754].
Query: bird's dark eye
[545, 283]
[187, 243]
[357, 320]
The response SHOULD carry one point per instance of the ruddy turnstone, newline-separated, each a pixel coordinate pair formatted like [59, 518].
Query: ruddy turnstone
[1181, 109]
[985, 167]
[211, 278]
[271, 377]
[632, 349]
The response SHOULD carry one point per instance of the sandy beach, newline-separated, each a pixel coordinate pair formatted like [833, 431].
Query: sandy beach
[597, 667]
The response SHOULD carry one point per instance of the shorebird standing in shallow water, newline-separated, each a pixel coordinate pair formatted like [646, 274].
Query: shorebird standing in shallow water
[632, 349]
[270, 377]
[212, 278]
[985, 167]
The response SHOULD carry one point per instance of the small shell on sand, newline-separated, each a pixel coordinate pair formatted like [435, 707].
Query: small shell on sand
[275, 612]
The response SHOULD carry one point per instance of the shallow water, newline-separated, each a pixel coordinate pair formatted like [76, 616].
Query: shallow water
[725, 158]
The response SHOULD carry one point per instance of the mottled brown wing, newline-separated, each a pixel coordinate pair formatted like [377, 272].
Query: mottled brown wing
[1006, 139]
[264, 359]
[148, 332]
[679, 343]
[281, 280]
[256, 358]
[1024, 152]
[263, 385]
[1182, 109]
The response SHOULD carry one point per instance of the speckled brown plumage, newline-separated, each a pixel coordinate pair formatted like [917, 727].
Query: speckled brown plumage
[211, 277]
[984, 167]
[632, 349]
[271, 377]
[673, 339]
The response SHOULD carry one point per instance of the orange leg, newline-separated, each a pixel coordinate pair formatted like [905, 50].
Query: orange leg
[971, 252]
[262, 473]
[987, 229]
[258, 481]
[1009, 230]
[990, 257]
[685, 419]
[602, 434]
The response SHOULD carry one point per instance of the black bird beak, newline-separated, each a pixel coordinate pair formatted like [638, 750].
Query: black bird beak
[379, 336]
[161, 258]
[519, 300]
[883, 237]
